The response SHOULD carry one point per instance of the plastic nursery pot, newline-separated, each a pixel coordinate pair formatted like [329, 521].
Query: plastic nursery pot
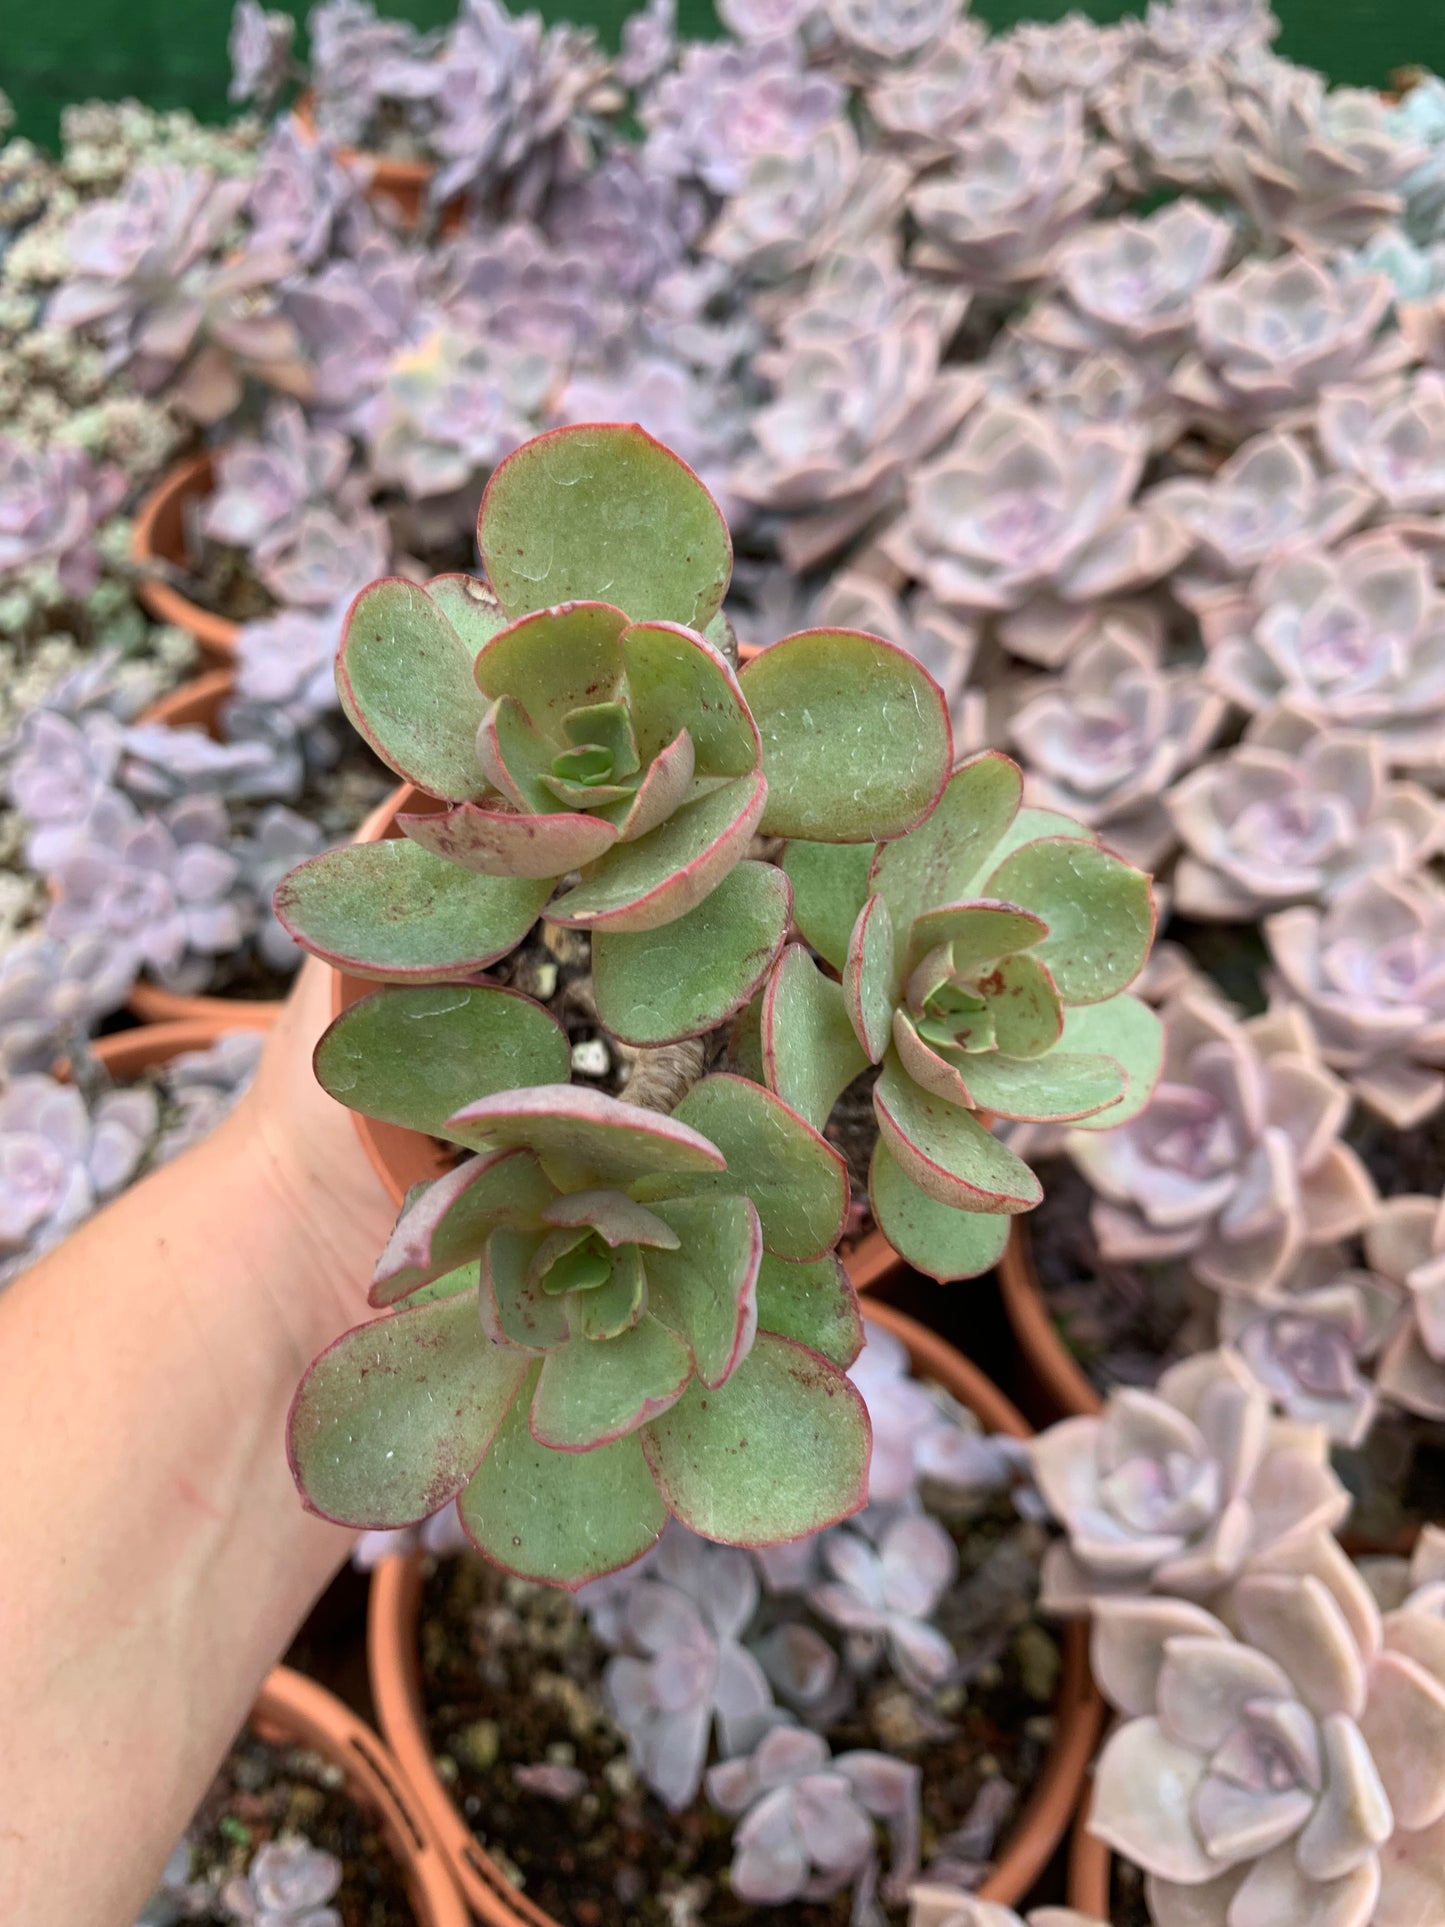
[392, 1623]
[159, 536]
[197, 705]
[402, 1158]
[1060, 1378]
[292, 1710]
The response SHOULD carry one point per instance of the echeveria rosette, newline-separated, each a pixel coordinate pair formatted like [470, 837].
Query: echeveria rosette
[1284, 1760]
[654, 1316]
[1178, 1490]
[561, 733]
[984, 958]
[1405, 1247]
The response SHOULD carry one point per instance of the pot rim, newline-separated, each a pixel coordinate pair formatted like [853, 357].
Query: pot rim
[1060, 1377]
[396, 1688]
[298, 1708]
[215, 634]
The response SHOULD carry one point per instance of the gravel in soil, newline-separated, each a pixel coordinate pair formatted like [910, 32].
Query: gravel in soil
[1124, 1324]
[264, 1792]
[513, 1677]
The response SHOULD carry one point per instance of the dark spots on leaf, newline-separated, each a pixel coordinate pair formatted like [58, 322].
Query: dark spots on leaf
[742, 1445]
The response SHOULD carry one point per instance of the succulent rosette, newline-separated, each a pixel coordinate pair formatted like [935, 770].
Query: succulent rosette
[554, 732]
[1178, 1490]
[1370, 970]
[662, 1329]
[1295, 813]
[1284, 1760]
[1405, 1247]
[984, 959]
[1391, 438]
[1236, 1163]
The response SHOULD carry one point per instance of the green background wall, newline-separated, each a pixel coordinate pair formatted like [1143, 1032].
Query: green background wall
[173, 52]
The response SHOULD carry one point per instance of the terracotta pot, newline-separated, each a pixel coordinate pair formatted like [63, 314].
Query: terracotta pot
[1090, 1869]
[129, 1053]
[292, 1710]
[396, 1589]
[160, 536]
[197, 704]
[399, 185]
[1060, 1378]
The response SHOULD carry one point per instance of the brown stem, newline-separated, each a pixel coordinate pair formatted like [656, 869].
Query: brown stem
[659, 1079]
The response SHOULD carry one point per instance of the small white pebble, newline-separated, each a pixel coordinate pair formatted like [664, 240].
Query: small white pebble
[590, 1058]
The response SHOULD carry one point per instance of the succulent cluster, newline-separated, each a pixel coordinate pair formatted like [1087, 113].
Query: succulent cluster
[656, 1270]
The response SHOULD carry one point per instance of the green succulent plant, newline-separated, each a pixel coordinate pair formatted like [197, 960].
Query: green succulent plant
[605, 1314]
[983, 961]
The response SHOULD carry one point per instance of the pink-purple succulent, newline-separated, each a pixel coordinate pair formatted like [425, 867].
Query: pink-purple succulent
[1105, 740]
[1171, 123]
[1179, 1490]
[1405, 1247]
[807, 1825]
[1281, 1761]
[52, 503]
[1392, 438]
[1312, 1340]
[1017, 186]
[1352, 638]
[883, 1597]
[1236, 1164]
[149, 277]
[1020, 520]
[1370, 970]
[1296, 813]
[1273, 334]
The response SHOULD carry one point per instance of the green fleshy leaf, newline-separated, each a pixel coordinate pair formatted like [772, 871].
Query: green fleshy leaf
[1028, 826]
[604, 511]
[978, 933]
[450, 1285]
[1127, 1030]
[946, 1151]
[809, 1054]
[585, 1266]
[592, 1392]
[446, 1223]
[505, 843]
[798, 1182]
[470, 607]
[705, 1289]
[1099, 909]
[392, 1420]
[516, 1310]
[615, 1307]
[554, 661]
[653, 987]
[404, 677]
[870, 985]
[856, 738]
[937, 1239]
[814, 1304]
[614, 1216]
[938, 862]
[394, 912]
[586, 1141]
[1058, 1088]
[745, 1042]
[516, 757]
[583, 796]
[561, 1518]
[675, 681]
[830, 887]
[1028, 1015]
[610, 726]
[781, 1450]
[415, 1056]
[663, 875]
[665, 786]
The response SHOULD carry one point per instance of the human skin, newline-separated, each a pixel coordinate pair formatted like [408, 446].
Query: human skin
[155, 1559]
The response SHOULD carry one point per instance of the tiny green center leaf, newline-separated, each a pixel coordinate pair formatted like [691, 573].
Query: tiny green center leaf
[957, 1018]
[583, 1268]
[589, 764]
